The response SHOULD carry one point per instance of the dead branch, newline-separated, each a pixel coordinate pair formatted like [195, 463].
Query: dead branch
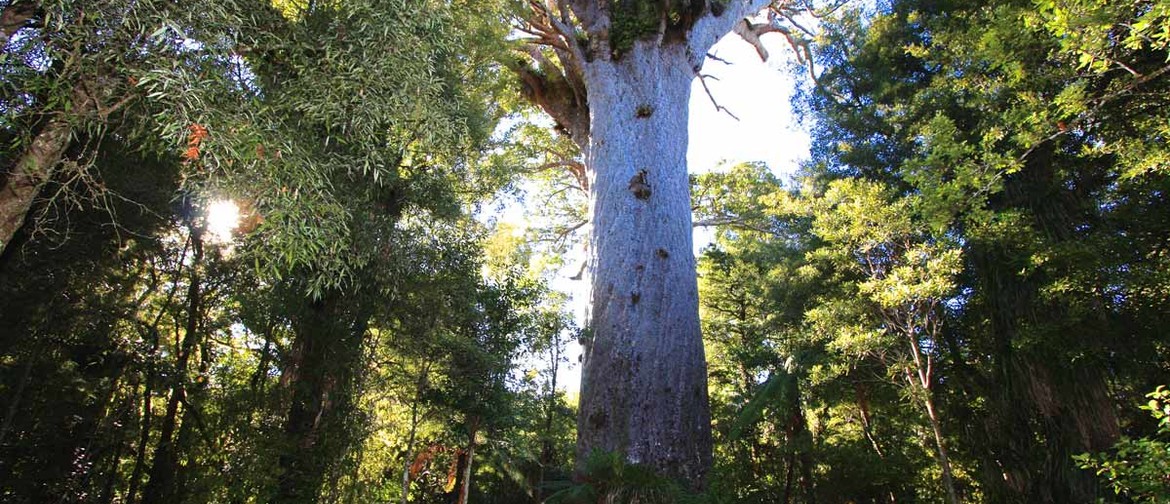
[718, 108]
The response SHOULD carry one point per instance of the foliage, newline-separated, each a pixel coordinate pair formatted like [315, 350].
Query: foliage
[1139, 468]
[974, 259]
[1011, 161]
[608, 478]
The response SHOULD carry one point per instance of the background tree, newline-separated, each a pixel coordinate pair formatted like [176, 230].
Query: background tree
[1003, 136]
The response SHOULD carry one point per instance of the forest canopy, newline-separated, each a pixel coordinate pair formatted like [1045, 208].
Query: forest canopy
[259, 251]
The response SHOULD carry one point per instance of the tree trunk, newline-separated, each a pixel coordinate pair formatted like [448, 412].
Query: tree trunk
[326, 352]
[944, 461]
[35, 167]
[14, 401]
[922, 380]
[469, 459]
[151, 373]
[644, 382]
[161, 485]
[550, 411]
[112, 473]
[144, 431]
[921, 384]
[866, 425]
[420, 387]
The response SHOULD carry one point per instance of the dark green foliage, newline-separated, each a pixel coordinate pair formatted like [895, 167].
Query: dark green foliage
[1139, 468]
[608, 478]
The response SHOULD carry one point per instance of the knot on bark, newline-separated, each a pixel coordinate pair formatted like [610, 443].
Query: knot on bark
[639, 186]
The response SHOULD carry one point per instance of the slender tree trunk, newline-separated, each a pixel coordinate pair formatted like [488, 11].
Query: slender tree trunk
[806, 478]
[789, 475]
[550, 410]
[944, 460]
[14, 401]
[161, 485]
[190, 423]
[107, 494]
[469, 459]
[144, 432]
[148, 388]
[256, 384]
[644, 382]
[923, 382]
[409, 451]
[866, 425]
[414, 405]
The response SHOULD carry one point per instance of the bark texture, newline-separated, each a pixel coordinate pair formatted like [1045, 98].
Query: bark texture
[644, 384]
[619, 88]
[24, 181]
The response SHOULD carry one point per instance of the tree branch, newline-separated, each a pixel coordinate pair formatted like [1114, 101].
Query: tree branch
[718, 107]
[547, 86]
[708, 29]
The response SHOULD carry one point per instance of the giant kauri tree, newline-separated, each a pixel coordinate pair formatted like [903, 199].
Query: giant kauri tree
[615, 76]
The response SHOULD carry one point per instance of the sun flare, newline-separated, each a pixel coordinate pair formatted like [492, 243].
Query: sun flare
[223, 216]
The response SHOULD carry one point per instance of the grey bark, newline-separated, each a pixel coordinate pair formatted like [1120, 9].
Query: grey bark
[644, 382]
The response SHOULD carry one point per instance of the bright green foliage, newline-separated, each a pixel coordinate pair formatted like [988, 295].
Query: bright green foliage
[1139, 468]
[795, 419]
[400, 125]
[276, 111]
[903, 273]
[1031, 184]
[554, 193]
[1101, 33]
